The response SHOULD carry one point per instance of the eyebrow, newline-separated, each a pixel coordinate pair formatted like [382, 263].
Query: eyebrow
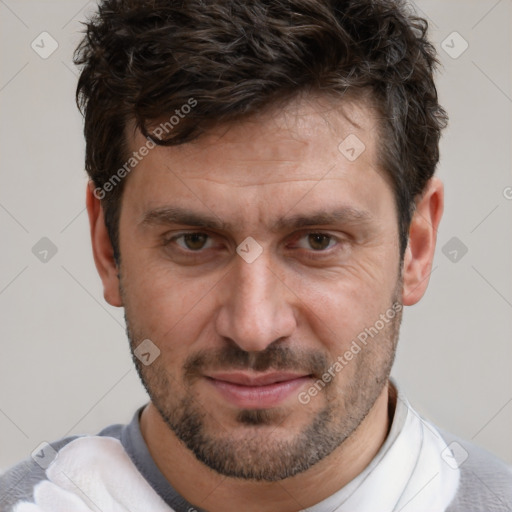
[176, 215]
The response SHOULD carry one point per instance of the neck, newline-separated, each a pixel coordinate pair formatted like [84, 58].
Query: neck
[209, 490]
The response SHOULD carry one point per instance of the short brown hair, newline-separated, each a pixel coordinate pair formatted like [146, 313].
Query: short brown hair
[144, 59]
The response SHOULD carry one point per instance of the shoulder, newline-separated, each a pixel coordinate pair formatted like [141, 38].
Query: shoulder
[18, 482]
[485, 480]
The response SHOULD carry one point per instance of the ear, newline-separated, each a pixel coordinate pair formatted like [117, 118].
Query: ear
[419, 253]
[102, 249]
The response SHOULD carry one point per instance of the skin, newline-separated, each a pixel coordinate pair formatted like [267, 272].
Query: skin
[299, 299]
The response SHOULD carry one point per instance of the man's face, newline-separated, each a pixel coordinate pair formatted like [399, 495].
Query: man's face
[243, 336]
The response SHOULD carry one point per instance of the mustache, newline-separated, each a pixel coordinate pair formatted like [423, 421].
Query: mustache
[274, 357]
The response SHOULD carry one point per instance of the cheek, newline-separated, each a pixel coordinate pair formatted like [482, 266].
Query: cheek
[166, 308]
[338, 308]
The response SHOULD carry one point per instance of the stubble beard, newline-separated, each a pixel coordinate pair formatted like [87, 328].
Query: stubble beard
[262, 452]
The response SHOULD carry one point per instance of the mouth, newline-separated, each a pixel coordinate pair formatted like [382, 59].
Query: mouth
[247, 390]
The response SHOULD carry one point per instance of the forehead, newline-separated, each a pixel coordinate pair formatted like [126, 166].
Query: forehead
[258, 169]
[312, 130]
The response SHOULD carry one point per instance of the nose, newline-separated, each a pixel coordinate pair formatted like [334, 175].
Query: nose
[257, 307]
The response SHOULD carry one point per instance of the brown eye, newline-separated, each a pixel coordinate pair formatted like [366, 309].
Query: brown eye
[195, 241]
[192, 241]
[319, 241]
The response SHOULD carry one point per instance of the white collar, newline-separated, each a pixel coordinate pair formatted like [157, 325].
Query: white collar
[408, 474]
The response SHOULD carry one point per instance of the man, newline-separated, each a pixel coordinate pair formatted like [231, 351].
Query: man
[262, 203]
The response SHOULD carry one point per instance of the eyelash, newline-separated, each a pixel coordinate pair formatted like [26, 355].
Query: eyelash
[317, 253]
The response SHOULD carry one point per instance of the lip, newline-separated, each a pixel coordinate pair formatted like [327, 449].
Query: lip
[253, 391]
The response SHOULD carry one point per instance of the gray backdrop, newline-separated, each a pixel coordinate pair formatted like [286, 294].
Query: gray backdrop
[65, 367]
